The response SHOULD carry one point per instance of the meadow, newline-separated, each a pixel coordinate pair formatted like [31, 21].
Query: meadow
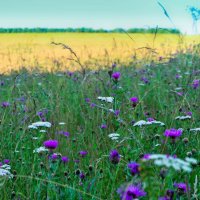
[116, 130]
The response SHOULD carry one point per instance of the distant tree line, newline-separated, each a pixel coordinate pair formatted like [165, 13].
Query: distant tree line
[88, 30]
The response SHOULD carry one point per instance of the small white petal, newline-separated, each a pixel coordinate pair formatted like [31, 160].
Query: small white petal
[61, 123]
[106, 99]
[191, 160]
[195, 129]
[183, 117]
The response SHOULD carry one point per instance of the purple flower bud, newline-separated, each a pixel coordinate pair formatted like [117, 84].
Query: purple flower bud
[182, 187]
[196, 84]
[64, 159]
[54, 156]
[117, 112]
[134, 100]
[82, 176]
[114, 156]
[87, 100]
[150, 119]
[51, 144]
[145, 80]
[134, 168]
[173, 133]
[131, 192]
[6, 161]
[92, 105]
[146, 157]
[103, 126]
[2, 83]
[116, 75]
[83, 153]
[5, 104]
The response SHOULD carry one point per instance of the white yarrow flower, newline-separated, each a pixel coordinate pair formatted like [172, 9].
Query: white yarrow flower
[4, 171]
[39, 124]
[62, 123]
[106, 99]
[195, 129]
[176, 163]
[183, 117]
[32, 127]
[39, 150]
[144, 123]
[43, 131]
[111, 110]
[114, 136]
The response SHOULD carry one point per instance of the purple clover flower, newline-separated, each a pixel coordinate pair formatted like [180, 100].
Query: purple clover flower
[42, 114]
[65, 133]
[87, 100]
[173, 133]
[92, 105]
[70, 74]
[64, 159]
[54, 156]
[82, 176]
[145, 80]
[83, 153]
[103, 126]
[134, 168]
[117, 112]
[2, 83]
[146, 157]
[189, 113]
[150, 119]
[116, 76]
[178, 76]
[182, 187]
[5, 104]
[131, 192]
[196, 84]
[6, 161]
[51, 144]
[134, 99]
[114, 156]
[114, 65]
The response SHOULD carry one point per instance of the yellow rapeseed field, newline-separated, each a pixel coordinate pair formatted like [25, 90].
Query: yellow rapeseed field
[34, 50]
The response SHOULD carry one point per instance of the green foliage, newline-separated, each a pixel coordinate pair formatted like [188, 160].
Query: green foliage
[86, 30]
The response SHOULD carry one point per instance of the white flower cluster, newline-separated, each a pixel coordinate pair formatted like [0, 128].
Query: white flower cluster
[176, 163]
[5, 171]
[144, 123]
[39, 124]
[114, 136]
[183, 117]
[40, 150]
[195, 129]
[106, 99]
[61, 123]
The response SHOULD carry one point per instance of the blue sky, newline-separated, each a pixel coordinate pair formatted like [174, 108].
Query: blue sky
[96, 13]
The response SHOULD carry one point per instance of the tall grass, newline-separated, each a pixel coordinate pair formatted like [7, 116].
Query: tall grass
[162, 95]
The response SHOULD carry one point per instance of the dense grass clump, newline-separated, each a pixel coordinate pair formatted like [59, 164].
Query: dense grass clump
[96, 146]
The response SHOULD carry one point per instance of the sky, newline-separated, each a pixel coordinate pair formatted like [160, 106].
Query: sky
[107, 14]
